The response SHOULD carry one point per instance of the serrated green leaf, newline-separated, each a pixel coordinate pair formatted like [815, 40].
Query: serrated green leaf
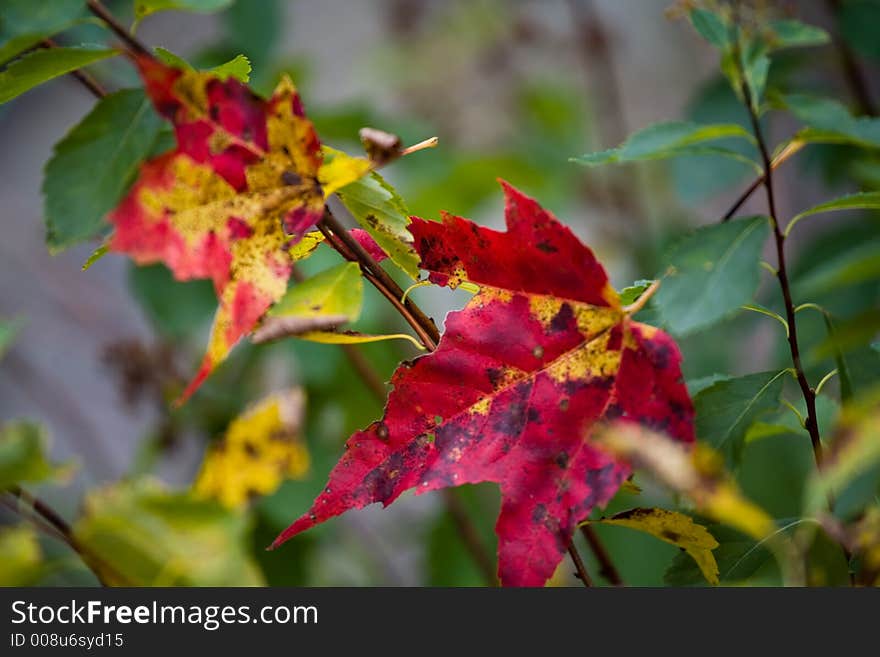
[239, 67]
[711, 27]
[336, 292]
[139, 534]
[726, 409]
[143, 8]
[21, 560]
[92, 167]
[671, 139]
[40, 66]
[711, 274]
[380, 210]
[23, 455]
[791, 33]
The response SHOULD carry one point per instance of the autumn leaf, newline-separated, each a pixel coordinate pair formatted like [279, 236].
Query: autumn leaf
[675, 528]
[542, 353]
[232, 200]
[261, 448]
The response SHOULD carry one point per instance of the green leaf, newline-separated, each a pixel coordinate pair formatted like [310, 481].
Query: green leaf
[23, 455]
[24, 23]
[792, 33]
[335, 292]
[94, 164]
[859, 201]
[381, 211]
[40, 66]
[858, 25]
[726, 410]
[754, 64]
[21, 561]
[140, 534]
[696, 385]
[829, 121]
[712, 27]
[670, 139]
[631, 293]
[711, 274]
[239, 67]
[143, 8]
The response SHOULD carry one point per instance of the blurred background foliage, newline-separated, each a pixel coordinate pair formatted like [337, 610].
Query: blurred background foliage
[513, 89]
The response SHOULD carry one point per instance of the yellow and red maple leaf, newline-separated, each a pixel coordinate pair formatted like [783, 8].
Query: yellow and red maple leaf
[539, 357]
[232, 200]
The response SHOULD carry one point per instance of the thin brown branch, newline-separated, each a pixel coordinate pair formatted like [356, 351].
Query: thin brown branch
[131, 43]
[580, 569]
[606, 566]
[792, 148]
[809, 393]
[58, 526]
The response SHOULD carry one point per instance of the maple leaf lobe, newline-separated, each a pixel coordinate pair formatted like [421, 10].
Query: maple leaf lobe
[539, 356]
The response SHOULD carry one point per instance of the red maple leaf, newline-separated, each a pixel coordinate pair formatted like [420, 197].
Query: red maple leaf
[228, 203]
[522, 375]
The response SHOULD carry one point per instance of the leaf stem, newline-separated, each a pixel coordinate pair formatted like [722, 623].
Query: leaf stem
[431, 142]
[118, 28]
[811, 424]
[351, 249]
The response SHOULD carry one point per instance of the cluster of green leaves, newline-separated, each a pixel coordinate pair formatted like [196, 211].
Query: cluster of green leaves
[713, 275]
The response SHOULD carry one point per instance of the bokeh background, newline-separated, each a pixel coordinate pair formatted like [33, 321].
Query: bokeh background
[512, 89]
